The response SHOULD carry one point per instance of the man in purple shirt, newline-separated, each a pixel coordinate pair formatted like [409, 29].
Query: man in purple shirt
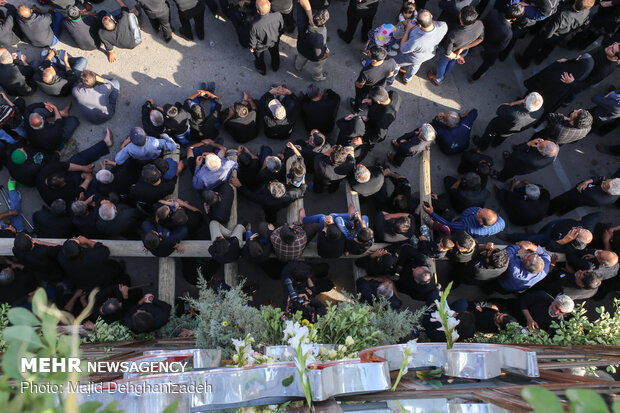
[523, 273]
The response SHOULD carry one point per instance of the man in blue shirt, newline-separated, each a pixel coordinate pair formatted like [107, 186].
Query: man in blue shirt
[523, 273]
[477, 222]
[453, 130]
[141, 147]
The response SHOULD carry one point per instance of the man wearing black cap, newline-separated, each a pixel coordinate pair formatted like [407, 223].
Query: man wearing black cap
[382, 112]
[265, 36]
[151, 187]
[55, 77]
[319, 109]
[83, 27]
[16, 75]
[96, 97]
[49, 136]
[120, 30]
[141, 147]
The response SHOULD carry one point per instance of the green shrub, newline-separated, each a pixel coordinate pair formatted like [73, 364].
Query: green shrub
[104, 332]
[176, 324]
[392, 325]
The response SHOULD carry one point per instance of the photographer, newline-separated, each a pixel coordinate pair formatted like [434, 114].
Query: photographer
[302, 282]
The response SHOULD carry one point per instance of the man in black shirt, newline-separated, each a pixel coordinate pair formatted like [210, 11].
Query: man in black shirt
[315, 144]
[528, 157]
[332, 167]
[176, 122]
[540, 309]
[49, 136]
[56, 78]
[375, 288]
[84, 219]
[579, 285]
[83, 27]
[363, 10]
[118, 179]
[38, 256]
[8, 37]
[53, 222]
[415, 279]
[369, 182]
[569, 19]
[597, 191]
[151, 187]
[265, 36]
[152, 118]
[66, 180]
[330, 241]
[457, 43]
[375, 74]
[240, 119]
[352, 131]
[41, 30]
[158, 12]
[87, 263]
[272, 197]
[205, 109]
[119, 29]
[16, 284]
[487, 264]
[319, 109]
[188, 10]
[466, 191]
[113, 302]
[218, 204]
[511, 118]
[149, 314]
[382, 112]
[225, 249]
[604, 263]
[524, 202]
[118, 220]
[312, 43]
[16, 75]
[497, 27]
[279, 110]
[24, 163]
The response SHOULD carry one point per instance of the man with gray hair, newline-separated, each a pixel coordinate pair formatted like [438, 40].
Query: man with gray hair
[152, 118]
[210, 169]
[528, 157]
[375, 288]
[412, 144]
[49, 136]
[118, 220]
[513, 117]
[16, 75]
[596, 192]
[567, 129]
[525, 203]
[523, 273]
[539, 309]
[369, 181]
[453, 130]
[416, 279]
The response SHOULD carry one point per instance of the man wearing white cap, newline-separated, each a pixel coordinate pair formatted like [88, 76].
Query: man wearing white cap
[210, 169]
[279, 109]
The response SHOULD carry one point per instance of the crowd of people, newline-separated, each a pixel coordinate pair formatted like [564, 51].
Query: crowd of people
[129, 196]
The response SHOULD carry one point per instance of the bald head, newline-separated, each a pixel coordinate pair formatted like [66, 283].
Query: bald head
[486, 217]
[24, 11]
[48, 75]
[548, 148]
[5, 56]
[607, 258]
[263, 6]
[584, 236]
[36, 121]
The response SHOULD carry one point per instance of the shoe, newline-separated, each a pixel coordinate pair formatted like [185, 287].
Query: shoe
[433, 78]
[404, 82]
[320, 79]
[523, 64]
[603, 149]
[474, 77]
[343, 36]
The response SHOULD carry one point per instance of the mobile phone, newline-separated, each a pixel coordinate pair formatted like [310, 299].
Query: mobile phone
[19, 55]
[61, 55]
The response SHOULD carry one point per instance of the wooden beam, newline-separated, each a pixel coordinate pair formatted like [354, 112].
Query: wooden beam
[231, 270]
[353, 198]
[167, 274]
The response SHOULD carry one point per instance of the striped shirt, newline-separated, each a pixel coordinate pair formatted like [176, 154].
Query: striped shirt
[468, 222]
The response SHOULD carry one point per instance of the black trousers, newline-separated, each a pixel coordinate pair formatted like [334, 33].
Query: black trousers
[493, 135]
[162, 23]
[353, 18]
[538, 49]
[488, 60]
[198, 15]
[566, 202]
[259, 58]
[360, 94]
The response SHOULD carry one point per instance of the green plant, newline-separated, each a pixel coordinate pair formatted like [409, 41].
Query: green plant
[104, 332]
[176, 324]
[224, 316]
[347, 319]
[579, 401]
[273, 320]
[4, 322]
[393, 326]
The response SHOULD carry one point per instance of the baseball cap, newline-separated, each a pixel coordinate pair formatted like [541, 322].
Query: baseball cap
[137, 136]
[277, 110]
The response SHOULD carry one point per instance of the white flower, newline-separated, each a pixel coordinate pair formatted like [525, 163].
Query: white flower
[455, 336]
[332, 354]
[238, 344]
[412, 345]
[349, 341]
[342, 349]
[435, 317]
[441, 328]
[323, 350]
[450, 313]
[289, 329]
[453, 322]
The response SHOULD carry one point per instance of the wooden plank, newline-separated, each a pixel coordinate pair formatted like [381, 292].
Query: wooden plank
[292, 210]
[167, 274]
[425, 195]
[353, 198]
[231, 270]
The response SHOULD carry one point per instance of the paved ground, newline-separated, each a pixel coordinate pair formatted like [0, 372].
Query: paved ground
[169, 73]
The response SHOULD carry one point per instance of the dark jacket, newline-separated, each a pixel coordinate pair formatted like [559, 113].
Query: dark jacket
[265, 31]
[17, 79]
